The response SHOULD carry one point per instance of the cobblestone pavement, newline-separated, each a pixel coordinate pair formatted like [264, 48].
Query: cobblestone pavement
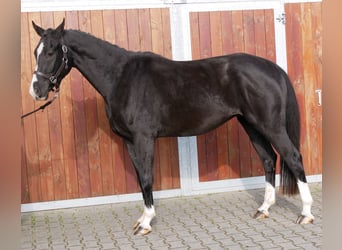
[215, 221]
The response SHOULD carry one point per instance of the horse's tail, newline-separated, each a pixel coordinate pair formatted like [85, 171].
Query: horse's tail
[288, 182]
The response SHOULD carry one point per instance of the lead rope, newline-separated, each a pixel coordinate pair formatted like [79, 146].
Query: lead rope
[43, 106]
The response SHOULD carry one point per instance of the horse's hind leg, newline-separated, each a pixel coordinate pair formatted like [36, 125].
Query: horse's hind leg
[293, 160]
[142, 153]
[268, 158]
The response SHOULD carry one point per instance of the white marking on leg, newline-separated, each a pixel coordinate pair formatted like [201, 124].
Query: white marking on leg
[269, 199]
[146, 218]
[306, 197]
[34, 77]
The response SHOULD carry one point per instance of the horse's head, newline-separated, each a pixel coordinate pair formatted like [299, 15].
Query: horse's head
[52, 61]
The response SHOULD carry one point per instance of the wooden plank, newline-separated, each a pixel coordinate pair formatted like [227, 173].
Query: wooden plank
[145, 30]
[310, 95]
[25, 69]
[316, 19]
[119, 172]
[295, 67]
[260, 50]
[121, 176]
[240, 28]
[174, 161]
[55, 132]
[43, 140]
[156, 31]
[196, 54]
[46, 179]
[232, 170]
[227, 31]
[220, 171]
[163, 169]
[68, 132]
[194, 29]
[166, 29]
[157, 46]
[91, 122]
[270, 35]
[105, 130]
[119, 187]
[122, 39]
[172, 142]
[238, 36]
[133, 30]
[25, 191]
[81, 148]
[260, 33]
[29, 123]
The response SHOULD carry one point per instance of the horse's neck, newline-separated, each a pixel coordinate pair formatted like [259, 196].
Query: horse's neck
[97, 60]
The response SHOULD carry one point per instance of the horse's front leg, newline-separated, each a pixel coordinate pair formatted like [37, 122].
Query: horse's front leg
[142, 153]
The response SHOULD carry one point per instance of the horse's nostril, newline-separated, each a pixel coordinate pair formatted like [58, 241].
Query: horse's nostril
[36, 90]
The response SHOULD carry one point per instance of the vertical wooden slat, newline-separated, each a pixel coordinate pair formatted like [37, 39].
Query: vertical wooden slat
[310, 83]
[163, 169]
[209, 140]
[233, 170]
[172, 142]
[105, 131]
[43, 141]
[46, 180]
[160, 162]
[79, 121]
[194, 35]
[295, 68]
[260, 50]
[25, 69]
[68, 132]
[195, 45]
[127, 170]
[270, 35]
[31, 147]
[316, 19]
[133, 30]
[166, 29]
[221, 132]
[91, 121]
[55, 131]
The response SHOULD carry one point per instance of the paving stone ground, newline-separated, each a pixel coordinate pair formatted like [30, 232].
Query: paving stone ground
[215, 221]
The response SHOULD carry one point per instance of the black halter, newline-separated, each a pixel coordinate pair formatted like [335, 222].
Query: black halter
[53, 80]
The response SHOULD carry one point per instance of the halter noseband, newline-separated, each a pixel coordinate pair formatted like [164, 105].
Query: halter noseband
[53, 77]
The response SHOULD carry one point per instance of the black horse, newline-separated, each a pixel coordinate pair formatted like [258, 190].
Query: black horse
[148, 96]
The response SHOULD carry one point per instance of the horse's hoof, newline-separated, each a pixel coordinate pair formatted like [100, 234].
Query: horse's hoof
[302, 219]
[140, 230]
[260, 215]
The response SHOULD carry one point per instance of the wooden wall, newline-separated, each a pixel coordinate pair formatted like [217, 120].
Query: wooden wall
[69, 150]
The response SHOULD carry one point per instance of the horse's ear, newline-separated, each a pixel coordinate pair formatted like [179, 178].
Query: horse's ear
[60, 28]
[38, 29]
